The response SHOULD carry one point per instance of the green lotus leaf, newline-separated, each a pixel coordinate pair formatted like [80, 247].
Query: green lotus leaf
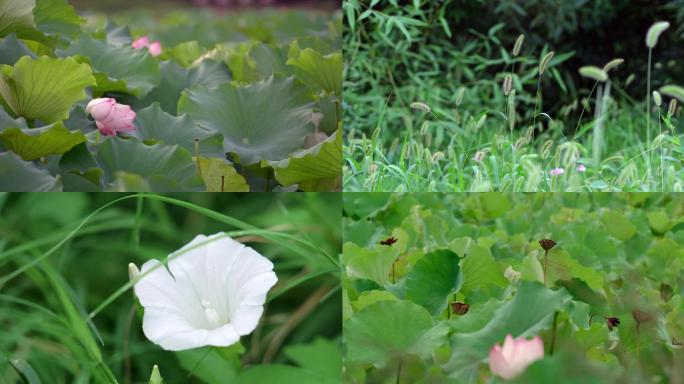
[283, 374]
[33, 144]
[371, 264]
[220, 176]
[165, 167]
[480, 269]
[266, 120]
[530, 311]
[44, 88]
[241, 64]
[57, 18]
[316, 70]
[318, 168]
[17, 175]
[184, 54]
[561, 266]
[12, 49]
[17, 17]
[115, 35]
[175, 79]
[432, 280]
[391, 329]
[154, 124]
[6, 121]
[117, 69]
[618, 225]
[270, 60]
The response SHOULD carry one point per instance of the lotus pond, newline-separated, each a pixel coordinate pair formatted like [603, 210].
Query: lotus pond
[210, 101]
[434, 282]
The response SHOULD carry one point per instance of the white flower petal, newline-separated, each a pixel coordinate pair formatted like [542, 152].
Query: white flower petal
[212, 293]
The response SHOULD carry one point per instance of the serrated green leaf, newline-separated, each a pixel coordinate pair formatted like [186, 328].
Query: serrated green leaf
[33, 144]
[318, 168]
[45, 88]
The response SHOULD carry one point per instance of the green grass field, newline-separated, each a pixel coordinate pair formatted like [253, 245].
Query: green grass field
[426, 110]
[68, 313]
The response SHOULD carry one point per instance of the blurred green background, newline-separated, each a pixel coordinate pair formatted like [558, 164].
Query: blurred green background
[38, 328]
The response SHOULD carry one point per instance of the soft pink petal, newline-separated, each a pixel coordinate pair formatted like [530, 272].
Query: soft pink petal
[497, 363]
[155, 49]
[508, 349]
[141, 42]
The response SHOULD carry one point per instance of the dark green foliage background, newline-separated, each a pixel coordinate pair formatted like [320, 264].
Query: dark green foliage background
[444, 39]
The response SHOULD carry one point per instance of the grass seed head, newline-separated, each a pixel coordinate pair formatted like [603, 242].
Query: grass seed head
[654, 33]
[673, 91]
[672, 109]
[518, 45]
[545, 62]
[657, 99]
[594, 73]
[507, 84]
[420, 106]
[612, 65]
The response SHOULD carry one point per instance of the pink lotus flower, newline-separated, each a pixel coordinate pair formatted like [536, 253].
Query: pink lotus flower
[513, 358]
[557, 171]
[581, 168]
[154, 48]
[111, 117]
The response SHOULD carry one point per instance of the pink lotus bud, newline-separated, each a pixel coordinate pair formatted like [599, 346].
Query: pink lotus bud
[142, 42]
[513, 358]
[100, 108]
[111, 117]
[155, 49]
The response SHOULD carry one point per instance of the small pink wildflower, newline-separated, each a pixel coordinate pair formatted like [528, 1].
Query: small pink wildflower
[581, 168]
[557, 171]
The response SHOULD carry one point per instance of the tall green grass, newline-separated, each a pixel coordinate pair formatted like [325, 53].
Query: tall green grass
[68, 314]
[522, 141]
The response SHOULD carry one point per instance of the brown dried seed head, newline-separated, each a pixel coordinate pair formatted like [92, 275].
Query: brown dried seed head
[547, 244]
[460, 308]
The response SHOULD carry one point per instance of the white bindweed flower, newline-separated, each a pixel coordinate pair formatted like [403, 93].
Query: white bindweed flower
[211, 294]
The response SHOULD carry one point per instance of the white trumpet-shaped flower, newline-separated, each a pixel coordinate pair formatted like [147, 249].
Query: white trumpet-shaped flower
[212, 293]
